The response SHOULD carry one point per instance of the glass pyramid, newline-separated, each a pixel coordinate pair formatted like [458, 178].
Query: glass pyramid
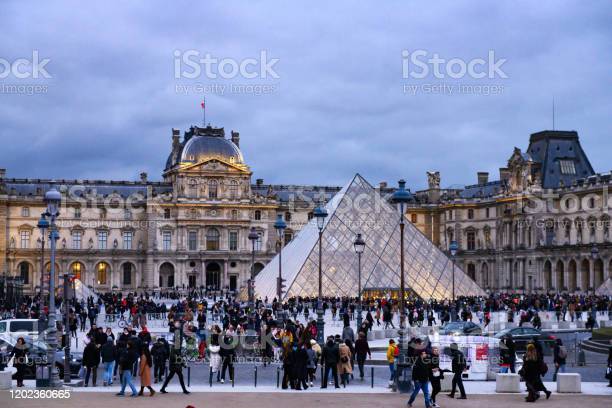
[359, 208]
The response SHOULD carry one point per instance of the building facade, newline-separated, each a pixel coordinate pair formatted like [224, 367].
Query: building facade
[543, 226]
[188, 231]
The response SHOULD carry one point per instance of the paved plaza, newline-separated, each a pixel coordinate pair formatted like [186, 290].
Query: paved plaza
[267, 399]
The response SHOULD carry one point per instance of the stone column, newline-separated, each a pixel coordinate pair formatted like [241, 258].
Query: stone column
[225, 277]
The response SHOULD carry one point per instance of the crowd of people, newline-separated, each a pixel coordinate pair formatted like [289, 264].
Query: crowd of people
[202, 328]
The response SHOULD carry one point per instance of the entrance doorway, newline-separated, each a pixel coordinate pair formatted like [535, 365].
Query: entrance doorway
[213, 272]
[233, 282]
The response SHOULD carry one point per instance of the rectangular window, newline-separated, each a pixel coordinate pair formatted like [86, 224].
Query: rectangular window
[233, 240]
[413, 218]
[488, 213]
[471, 241]
[77, 212]
[567, 167]
[167, 213]
[193, 240]
[167, 240]
[258, 241]
[470, 214]
[288, 237]
[25, 239]
[25, 212]
[102, 239]
[450, 215]
[127, 239]
[77, 239]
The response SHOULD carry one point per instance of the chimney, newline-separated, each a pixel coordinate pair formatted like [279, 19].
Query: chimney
[259, 182]
[483, 178]
[236, 138]
[2, 173]
[504, 174]
[382, 185]
[143, 177]
[176, 134]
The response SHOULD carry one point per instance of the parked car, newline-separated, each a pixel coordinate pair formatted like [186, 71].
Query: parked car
[19, 327]
[522, 335]
[461, 329]
[38, 353]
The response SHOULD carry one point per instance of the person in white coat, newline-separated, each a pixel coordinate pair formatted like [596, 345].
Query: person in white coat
[214, 356]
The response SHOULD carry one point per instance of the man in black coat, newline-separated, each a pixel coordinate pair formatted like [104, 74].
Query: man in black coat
[91, 361]
[458, 366]
[108, 353]
[300, 367]
[329, 357]
[420, 376]
[175, 367]
[160, 355]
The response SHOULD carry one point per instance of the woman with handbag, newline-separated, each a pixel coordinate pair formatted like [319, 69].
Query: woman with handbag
[19, 354]
[532, 372]
[344, 365]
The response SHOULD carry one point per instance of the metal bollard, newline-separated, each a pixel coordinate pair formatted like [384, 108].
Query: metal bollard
[322, 378]
[255, 376]
[210, 377]
[277, 377]
[233, 374]
[372, 375]
[188, 375]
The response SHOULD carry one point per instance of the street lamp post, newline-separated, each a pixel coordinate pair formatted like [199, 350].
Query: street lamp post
[401, 197]
[43, 225]
[279, 226]
[359, 245]
[253, 236]
[320, 213]
[52, 199]
[453, 251]
[67, 279]
[594, 255]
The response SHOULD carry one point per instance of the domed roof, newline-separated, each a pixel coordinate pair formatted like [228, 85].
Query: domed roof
[203, 147]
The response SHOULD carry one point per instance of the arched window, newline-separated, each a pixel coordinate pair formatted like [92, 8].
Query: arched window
[102, 273]
[24, 273]
[76, 269]
[127, 274]
[212, 239]
[212, 189]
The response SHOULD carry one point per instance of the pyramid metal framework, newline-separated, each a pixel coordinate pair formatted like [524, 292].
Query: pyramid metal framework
[359, 208]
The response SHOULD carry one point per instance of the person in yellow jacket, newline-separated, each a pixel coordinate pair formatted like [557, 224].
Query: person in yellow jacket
[392, 353]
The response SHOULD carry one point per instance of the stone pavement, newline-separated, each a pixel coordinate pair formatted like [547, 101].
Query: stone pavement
[304, 399]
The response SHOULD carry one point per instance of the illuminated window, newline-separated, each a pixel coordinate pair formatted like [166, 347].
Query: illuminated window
[567, 167]
[76, 270]
[102, 273]
[413, 218]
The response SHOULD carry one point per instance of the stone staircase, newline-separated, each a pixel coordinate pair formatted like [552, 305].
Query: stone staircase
[596, 346]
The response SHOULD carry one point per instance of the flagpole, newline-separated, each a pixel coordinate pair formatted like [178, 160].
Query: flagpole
[203, 112]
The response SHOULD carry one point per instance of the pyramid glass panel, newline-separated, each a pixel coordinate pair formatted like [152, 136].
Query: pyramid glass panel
[359, 208]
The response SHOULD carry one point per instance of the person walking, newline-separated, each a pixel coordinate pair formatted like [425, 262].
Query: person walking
[559, 357]
[127, 360]
[159, 352]
[311, 365]
[458, 366]
[436, 375]
[507, 353]
[300, 367]
[532, 372]
[344, 364]
[213, 355]
[146, 362]
[330, 357]
[362, 351]
[392, 352]
[420, 376]
[175, 367]
[19, 354]
[108, 354]
[91, 361]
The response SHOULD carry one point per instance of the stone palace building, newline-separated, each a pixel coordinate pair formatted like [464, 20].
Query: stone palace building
[543, 225]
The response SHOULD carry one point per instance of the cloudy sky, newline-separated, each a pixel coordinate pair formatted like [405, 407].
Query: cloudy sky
[338, 97]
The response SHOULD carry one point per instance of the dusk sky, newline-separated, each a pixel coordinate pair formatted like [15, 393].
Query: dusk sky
[338, 100]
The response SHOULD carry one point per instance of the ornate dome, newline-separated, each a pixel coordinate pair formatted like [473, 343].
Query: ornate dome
[199, 148]
[201, 144]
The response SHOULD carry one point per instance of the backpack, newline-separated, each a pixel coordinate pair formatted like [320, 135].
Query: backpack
[543, 368]
[562, 352]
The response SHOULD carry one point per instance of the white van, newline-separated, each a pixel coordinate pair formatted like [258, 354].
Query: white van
[19, 327]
